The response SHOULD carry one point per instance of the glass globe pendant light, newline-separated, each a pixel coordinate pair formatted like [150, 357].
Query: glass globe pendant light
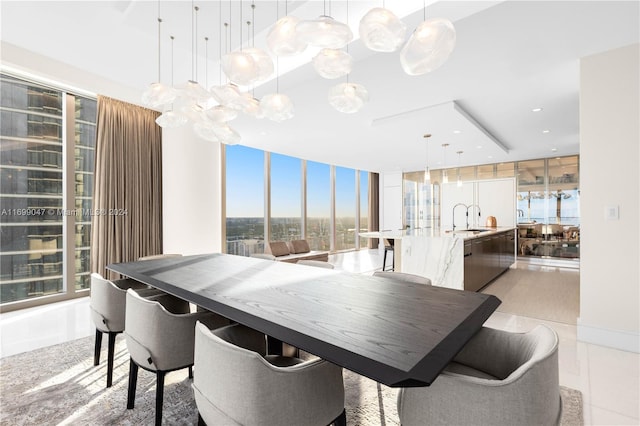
[192, 89]
[169, 117]
[324, 32]
[264, 63]
[205, 130]
[283, 39]
[428, 47]
[332, 63]
[348, 97]
[240, 68]
[226, 134]
[221, 114]
[381, 30]
[158, 94]
[277, 107]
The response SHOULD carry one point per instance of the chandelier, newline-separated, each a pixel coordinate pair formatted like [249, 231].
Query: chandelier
[210, 111]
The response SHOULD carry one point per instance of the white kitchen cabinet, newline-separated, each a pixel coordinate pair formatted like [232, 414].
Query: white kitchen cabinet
[495, 197]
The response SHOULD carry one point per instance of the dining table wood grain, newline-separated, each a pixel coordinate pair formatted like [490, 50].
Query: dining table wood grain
[396, 333]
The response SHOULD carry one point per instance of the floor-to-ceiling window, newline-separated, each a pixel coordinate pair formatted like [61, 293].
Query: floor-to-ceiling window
[244, 200]
[286, 201]
[46, 166]
[318, 206]
[281, 198]
[345, 209]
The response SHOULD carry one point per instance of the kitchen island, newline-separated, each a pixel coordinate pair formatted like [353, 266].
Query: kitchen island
[463, 260]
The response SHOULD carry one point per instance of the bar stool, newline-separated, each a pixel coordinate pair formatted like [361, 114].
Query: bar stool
[388, 247]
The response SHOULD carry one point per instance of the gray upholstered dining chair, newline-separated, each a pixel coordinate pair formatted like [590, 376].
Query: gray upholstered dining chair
[159, 332]
[403, 276]
[236, 383]
[316, 263]
[499, 378]
[107, 305]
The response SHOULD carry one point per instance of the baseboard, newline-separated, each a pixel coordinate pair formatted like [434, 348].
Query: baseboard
[617, 339]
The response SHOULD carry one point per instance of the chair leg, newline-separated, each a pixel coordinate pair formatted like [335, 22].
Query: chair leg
[191, 372]
[110, 356]
[98, 345]
[341, 420]
[133, 380]
[384, 260]
[393, 261]
[159, 396]
[201, 421]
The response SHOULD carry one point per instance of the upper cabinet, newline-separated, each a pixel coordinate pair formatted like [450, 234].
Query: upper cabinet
[476, 201]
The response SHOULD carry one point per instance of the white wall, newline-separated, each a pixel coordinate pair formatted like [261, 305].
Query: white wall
[191, 198]
[609, 158]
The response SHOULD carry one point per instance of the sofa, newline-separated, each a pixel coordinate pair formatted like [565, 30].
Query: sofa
[292, 251]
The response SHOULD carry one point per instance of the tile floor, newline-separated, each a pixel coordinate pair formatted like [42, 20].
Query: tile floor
[608, 378]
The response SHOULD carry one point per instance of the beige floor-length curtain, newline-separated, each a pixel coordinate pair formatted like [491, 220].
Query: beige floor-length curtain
[374, 207]
[127, 193]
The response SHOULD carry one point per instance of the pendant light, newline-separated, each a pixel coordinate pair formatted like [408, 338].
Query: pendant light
[348, 97]
[332, 63]
[324, 32]
[192, 89]
[262, 59]
[429, 46]
[277, 106]
[381, 30]
[208, 101]
[445, 174]
[225, 94]
[169, 117]
[282, 39]
[239, 67]
[158, 94]
[427, 172]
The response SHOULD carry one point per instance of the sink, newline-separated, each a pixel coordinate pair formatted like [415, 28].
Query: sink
[476, 230]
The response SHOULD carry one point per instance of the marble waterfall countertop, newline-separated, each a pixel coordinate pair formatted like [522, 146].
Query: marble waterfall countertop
[434, 253]
[464, 234]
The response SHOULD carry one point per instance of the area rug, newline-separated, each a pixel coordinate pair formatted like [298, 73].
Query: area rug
[59, 385]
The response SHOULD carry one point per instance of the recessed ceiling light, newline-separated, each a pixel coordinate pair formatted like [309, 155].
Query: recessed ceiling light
[545, 131]
[537, 109]
[457, 132]
[263, 133]
[479, 146]
[554, 149]
[491, 156]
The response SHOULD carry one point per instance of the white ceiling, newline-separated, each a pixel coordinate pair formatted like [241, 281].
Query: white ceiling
[510, 57]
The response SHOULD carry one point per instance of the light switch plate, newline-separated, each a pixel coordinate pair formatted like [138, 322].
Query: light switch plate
[611, 213]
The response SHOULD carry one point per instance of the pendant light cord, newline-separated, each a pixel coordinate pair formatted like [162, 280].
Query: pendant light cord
[195, 36]
[206, 62]
[172, 38]
[193, 77]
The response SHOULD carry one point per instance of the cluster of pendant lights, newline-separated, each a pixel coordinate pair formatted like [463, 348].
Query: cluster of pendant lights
[380, 30]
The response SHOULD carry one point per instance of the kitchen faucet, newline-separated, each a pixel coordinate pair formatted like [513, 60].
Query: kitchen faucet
[479, 214]
[453, 222]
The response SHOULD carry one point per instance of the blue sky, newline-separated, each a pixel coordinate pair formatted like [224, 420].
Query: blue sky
[245, 186]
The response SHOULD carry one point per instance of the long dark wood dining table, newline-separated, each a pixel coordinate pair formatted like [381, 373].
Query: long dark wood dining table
[396, 333]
